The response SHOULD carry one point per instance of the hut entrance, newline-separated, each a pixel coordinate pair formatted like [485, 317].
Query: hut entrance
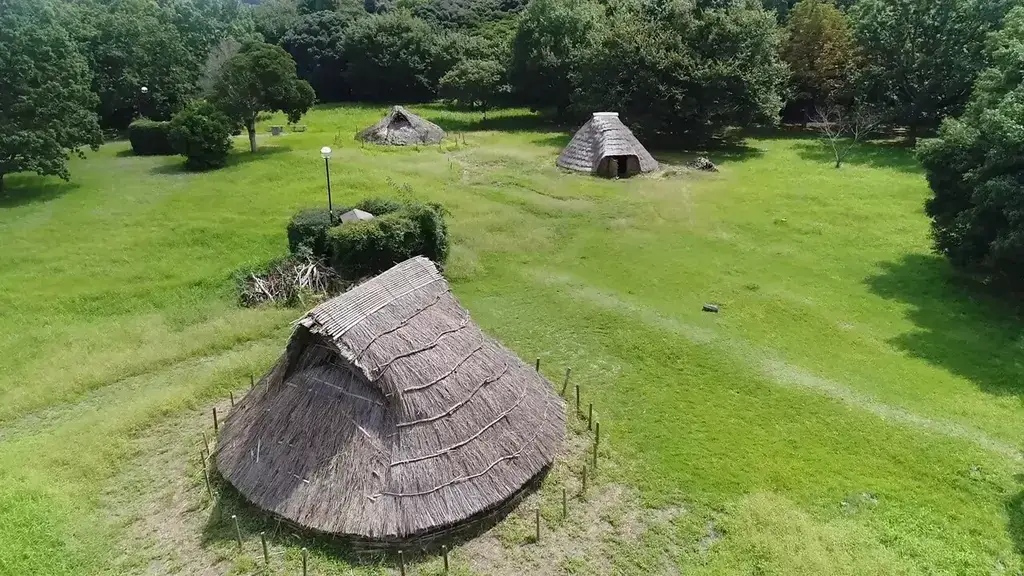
[620, 166]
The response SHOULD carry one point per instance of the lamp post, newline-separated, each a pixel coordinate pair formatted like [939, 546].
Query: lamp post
[143, 91]
[325, 152]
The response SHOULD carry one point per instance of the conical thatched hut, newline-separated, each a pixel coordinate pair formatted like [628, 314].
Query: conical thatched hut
[605, 146]
[402, 128]
[391, 417]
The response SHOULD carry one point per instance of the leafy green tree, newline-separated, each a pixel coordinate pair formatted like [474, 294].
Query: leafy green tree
[550, 44]
[130, 44]
[819, 49]
[976, 168]
[261, 79]
[393, 56]
[475, 84]
[46, 106]
[316, 42]
[273, 19]
[679, 70]
[202, 134]
[920, 57]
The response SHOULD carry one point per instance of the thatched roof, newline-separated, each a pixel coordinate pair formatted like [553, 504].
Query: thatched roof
[602, 138]
[391, 416]
[402, 128]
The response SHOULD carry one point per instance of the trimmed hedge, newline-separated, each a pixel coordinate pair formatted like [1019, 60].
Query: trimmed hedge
[359, 249]
[150, 138]
[308, 228]
[202, 134]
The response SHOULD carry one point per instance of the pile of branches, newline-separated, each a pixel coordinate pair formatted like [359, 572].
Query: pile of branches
[299, 279]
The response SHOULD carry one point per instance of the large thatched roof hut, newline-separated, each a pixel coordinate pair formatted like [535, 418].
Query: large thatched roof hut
[605, 146]
[392, 417]
[399, 127]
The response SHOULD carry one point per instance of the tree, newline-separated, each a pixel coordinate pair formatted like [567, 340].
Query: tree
[273, 19]
[549, 46]
[976, 168]
[46, 107]
[261, 79]
[202, 134]
[677, 70]
[475, 84]
[130, 44]
[820, 52]
[920, 57]
[393, 56]
[219, 55]
[842, 127]
[316, 42]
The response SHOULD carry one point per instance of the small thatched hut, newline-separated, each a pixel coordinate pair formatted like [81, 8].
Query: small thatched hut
[402, 128]
[391, 417]
[605, 146]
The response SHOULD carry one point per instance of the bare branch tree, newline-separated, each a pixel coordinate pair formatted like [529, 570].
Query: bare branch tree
[842, 127]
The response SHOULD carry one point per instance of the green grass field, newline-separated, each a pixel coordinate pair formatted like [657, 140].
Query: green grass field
[851, 410]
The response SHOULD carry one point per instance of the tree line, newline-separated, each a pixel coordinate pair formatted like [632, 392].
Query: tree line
[680, 72]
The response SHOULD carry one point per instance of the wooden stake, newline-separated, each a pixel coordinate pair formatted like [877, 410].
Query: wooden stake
[232, 395]
[206, 443]
[565, 386]
[444, 551]
[206, 475]
[595, 458]
[401, 562]
[305, 561]
[590, 417]
[238, 531]
[577, 398]
[597, 433]
[215, 424]
[538, 525]
[565, 503]
[583, 492]
[266, 554]
[252, 381]
[537, 367]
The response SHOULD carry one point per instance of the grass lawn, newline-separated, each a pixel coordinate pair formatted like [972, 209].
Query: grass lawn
[851, 410]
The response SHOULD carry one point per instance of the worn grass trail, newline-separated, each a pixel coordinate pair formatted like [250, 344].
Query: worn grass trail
[851, 410]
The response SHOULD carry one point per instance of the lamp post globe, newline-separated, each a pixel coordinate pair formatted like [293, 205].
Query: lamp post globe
[325, 153]
[144, 90]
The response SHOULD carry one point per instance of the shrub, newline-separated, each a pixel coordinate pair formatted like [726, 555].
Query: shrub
[363, 248]
[150, 138]
[202, 134]
[308, 228]
[976, 165]
[379, 206]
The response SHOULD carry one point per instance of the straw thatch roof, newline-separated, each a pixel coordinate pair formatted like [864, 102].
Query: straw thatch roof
[391, 416]
[604, 145]
[402, 128]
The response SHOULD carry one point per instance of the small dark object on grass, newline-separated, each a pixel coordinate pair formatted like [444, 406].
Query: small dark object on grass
[711, 308]
[703, 164]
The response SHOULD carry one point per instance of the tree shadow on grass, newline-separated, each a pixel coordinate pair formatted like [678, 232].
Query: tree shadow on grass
[23, 189]
[717, 152]
[875, 154]
[176, 165]
[1014, 506]
[497, 122]
[962, 327]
